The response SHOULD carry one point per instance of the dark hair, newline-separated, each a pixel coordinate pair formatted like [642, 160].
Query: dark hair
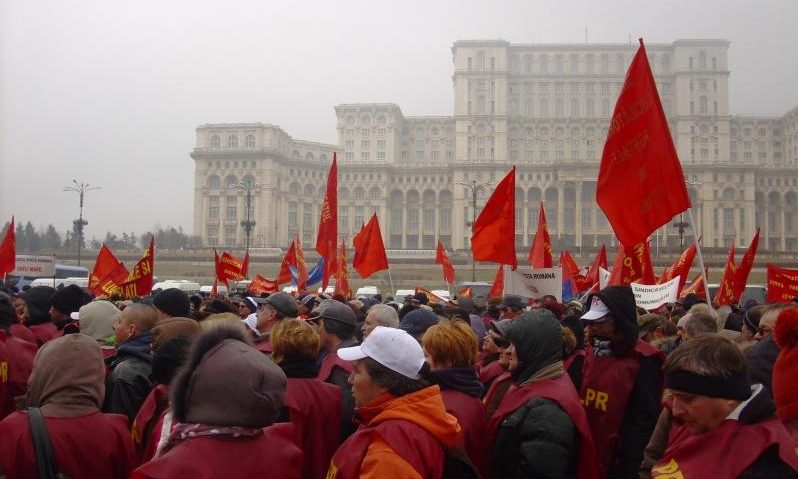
[397, 384]
[341, 329]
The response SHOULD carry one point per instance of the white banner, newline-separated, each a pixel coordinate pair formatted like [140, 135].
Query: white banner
[34, 266]
[533, 283]
[604, 277]
[651, 297]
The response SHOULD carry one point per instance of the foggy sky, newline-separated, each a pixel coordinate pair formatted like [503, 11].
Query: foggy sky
[111, 92]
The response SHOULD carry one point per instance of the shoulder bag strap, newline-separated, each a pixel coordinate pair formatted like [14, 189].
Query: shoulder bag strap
[43, 449]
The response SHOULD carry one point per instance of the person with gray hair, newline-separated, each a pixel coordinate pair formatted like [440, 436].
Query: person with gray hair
[380, 315]
[698, 322]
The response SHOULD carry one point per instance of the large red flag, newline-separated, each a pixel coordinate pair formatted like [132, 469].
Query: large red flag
[139, 281]
[442, 259]
[681, 267]
[260, 285]
[245, 266]
[696, 286]
[8, 250]
[633, 265]
[370, 254]
[327, 238]
[342, 274]
[782, 284]
[725, 294]
[570, 272]
[592, 277]
[301, 267]
[744, 268]
[493, 233]
[497, 290]
[108, 272]
[640, 182]
[284, 276]
[230, 268]
[540, 251]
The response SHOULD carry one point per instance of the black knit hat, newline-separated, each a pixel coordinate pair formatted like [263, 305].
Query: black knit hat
[173, 302]
[69, 299]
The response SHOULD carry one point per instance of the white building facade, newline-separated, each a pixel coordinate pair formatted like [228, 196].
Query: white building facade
[543, 108]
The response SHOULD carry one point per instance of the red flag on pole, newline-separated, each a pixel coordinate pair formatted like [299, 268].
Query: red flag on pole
[108, 272]
[327, 238]
[633, 265]
[230, 268]
[681, 267]
[139, 281]
[342, 274]
[245, 266]
[442, 259]
[744, 268]
[570, 272]
[260, 285]
[370, 254]
[696, 286]
[540, 251]
[8, 250]
[497, 290]
[284, 276]
[725, 294]
[592, 277]
[301, 267]
[782, 284]
[493, 233]
[640, 181]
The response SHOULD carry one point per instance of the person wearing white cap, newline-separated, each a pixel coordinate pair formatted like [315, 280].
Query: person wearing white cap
[404, 426]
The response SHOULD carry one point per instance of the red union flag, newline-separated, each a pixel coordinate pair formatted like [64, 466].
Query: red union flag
[8, 250]
[260, 285]
[107, 273]
[342, 274]
[633, 265]
[681, 267]
[139, 281]
[640, 181]
[230, 268]
[744, 268]
[540, 252]
[592, 276]
[284, 276]
[370, 254]
[725, 294]
[327, 238]
[497, 290]
[301, 267]
[442, 259]
[782, 284]
[696, 286]
[493, 233]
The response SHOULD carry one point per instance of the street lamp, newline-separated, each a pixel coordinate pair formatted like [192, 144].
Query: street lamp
[248, 224]
[474, 187]
[682, 225]
[81, 189]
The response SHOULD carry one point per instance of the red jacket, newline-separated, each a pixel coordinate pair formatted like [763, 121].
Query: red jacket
[470, 414]
[271, 454]
[329, 363]
[91, 446]
[314, 408]
[146, 429]
[16, 363]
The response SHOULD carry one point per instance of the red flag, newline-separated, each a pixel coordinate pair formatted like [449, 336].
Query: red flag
[442, 258]
[592, 277]
[139, 281]
[327, 238]
[633, 265]
[342, 274]
[782, 284]
[245, 266]
[466, 292]
[696, 286]
[431, 297]
[540, 251]
[301, 267]
[108, 272]
[681, 267]
[570, 272]
[640, 182]
[497, 290]
[260, 285]
[8, 250]
[370, 254]
[725, 294]
[284, 276]
[744, 268]
[228, 267]
[493, 233]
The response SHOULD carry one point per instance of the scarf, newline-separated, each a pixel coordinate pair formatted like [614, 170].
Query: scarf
[183, 431]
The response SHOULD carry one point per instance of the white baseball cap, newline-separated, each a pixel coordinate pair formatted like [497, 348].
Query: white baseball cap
[598, 310]
[391, 347]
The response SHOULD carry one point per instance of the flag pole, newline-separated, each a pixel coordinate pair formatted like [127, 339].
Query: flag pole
[588, 292]
[700, 256]
[390, 279]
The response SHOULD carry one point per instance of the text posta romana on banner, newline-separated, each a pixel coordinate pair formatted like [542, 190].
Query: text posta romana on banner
[640, 181]
[493, 233]
[327, 238]
[342, 274]
[540, 253]
[108, 272]
[139, 281]
[370, 254]
[8, 250]
[442, 259]
[782, 284]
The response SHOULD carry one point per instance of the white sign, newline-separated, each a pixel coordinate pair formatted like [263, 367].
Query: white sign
[34, 266]
[604, 277]
[651, 297]
[533, 283]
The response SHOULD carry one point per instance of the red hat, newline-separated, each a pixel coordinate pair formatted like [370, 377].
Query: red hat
[785, 371]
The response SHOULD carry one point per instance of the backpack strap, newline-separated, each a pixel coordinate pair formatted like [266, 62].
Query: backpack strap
[43, 449]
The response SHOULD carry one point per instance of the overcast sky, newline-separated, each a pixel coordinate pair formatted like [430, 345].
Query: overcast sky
[110, 92]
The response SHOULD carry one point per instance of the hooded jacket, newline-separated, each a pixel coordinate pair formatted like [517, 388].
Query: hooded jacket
[86, 443]
[38, 301]
[374, 451]
[128, 384]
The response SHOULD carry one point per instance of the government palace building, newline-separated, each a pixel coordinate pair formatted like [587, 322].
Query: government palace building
[542, 107]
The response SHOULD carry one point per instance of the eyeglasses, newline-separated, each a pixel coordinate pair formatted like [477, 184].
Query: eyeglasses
[499, 341]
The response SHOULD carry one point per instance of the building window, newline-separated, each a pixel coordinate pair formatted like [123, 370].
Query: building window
[412, 220]
[574, 108]
[587, 217]
[728, 220]
[605, 63]
[380, 144]
[589, 110]
[544, 63]
[528, 108]
[365, 144]
[364, 155]
[250, 141]
[380, 155]
[558, 63]
[215, 141]
[605, 108]
[513, 64]
[559, 108]
[232, 141]
[429, 220]
[702, 105]
[544, 108]
[574, 63]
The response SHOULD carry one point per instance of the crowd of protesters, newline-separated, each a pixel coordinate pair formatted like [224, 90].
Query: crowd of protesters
[316, 386]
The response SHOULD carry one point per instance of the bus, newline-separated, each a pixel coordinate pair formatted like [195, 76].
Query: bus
[62, 272]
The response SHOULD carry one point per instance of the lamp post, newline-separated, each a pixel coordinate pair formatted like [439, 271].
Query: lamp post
[682, 225]
[248, 224]
[474, 186]
[81, 189]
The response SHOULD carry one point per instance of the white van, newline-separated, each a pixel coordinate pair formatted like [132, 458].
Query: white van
[367, 291]
[220, 289]
[442, 293]
[401, 294]
[190, 287]
[55, 283]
